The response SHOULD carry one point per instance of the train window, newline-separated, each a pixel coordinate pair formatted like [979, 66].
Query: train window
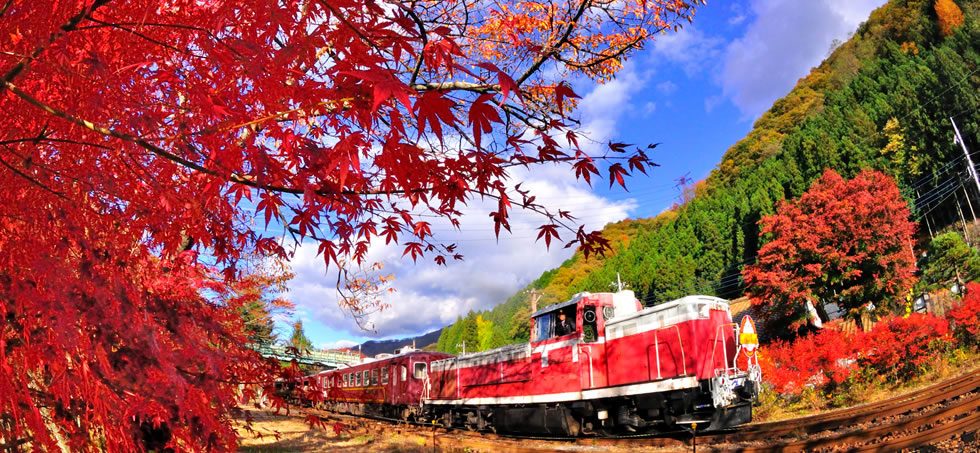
[544, 327]
[384, 375]
[374, 376]
[565, 322]
[420, 370]
[404, 373]
[345, 380]
[357, 377]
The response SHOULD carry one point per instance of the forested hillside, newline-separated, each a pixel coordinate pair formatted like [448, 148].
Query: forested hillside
[882, 100]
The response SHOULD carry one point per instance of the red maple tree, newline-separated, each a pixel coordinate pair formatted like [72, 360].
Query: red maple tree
[139, 134]
[843, 241]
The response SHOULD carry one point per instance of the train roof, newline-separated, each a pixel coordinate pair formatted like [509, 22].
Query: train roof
[674, 304]
[383, 359]
[550, 308]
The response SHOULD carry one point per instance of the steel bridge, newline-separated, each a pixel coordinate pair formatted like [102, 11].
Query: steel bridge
[326, 359]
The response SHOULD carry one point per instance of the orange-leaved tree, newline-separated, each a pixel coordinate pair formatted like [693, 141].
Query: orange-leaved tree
[949, 16]
[843, 241]
[139, 134]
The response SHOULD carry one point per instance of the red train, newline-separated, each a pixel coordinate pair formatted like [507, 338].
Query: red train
[595, 364]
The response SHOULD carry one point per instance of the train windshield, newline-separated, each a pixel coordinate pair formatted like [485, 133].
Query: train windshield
[544, 327]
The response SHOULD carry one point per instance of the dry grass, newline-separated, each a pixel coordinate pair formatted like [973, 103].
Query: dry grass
[295, 435]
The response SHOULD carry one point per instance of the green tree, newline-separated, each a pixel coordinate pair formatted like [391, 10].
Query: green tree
[298, 339]
[484, 330]
[520, 325]
[470, 332]
[949, 259]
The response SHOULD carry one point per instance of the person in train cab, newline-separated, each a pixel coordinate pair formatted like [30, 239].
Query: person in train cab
[564, 327]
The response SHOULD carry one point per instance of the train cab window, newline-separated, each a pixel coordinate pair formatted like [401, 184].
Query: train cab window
[565, 322]
[404, 373]
[544, 327]
[345, 380]
[384, 375]
[420, 370]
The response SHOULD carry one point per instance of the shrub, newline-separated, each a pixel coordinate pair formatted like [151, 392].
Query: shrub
[901, 347]
[966, 316]
[897, 348]
[826, 357]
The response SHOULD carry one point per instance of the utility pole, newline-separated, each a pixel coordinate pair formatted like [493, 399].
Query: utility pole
[535, 296]
[968, 202]
[966, 235]
[925, 215]
[462, 346]
[959, 138]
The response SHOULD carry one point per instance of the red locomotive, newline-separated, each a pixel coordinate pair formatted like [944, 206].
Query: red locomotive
[596, 363]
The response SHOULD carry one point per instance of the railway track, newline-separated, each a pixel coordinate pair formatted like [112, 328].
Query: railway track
[923, 417]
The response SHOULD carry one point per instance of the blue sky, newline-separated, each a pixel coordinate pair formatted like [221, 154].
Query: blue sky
[696, 92]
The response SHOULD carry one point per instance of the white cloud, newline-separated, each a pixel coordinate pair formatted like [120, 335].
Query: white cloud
[606, 103]
[429, 296]
[785, 39]
[339, 344]
[738, 14]
[666, 88]
[690, 48]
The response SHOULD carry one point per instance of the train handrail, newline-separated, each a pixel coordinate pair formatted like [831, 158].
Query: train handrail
[589, 353]
[724, 345]
[656, 345]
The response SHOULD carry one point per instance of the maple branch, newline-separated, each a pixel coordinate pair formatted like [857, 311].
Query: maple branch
[346, 22]
[32, 180]
[602, 58]
[545, 54]
[120, 27]
[53, 140]
[272, 116]
[69, 26]
[448, 86]
[143, 143]
[425, 41]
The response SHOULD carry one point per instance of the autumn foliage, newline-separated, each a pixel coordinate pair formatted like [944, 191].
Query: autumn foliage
[149, 146]
[949, 15]
[896, 348]
[844, 241]
[818, 359]
[965, 316]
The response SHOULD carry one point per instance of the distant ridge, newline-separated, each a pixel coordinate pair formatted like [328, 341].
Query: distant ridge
[375, 347]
